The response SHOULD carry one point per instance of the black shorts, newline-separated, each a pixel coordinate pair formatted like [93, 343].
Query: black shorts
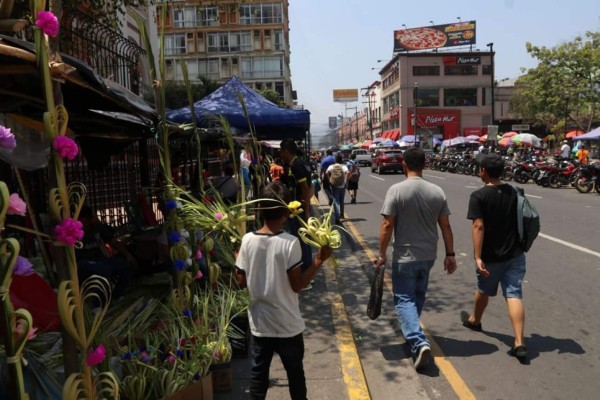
[352, 185]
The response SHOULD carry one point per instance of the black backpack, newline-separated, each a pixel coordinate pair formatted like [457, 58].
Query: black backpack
[528, 220]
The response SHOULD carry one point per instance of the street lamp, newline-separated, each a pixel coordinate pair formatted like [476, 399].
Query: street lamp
[491, 46]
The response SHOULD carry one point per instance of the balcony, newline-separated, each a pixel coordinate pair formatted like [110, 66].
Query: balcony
[112, 55]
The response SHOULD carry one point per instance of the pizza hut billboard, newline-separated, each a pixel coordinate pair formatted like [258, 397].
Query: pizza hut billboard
[434, 37]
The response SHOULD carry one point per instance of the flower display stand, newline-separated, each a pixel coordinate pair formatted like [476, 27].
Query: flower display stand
[201, 390]
[222, 378]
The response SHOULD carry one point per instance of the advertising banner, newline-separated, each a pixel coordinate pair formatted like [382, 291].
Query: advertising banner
[434, 37]
[345, 95]
[332, 122]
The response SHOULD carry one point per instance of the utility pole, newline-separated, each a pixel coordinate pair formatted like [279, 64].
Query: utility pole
[415, 99]
[491, 46]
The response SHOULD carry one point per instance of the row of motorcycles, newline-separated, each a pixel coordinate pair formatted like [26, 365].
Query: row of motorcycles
[552, 172]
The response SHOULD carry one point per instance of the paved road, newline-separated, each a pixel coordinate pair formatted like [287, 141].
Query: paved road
[562, 281]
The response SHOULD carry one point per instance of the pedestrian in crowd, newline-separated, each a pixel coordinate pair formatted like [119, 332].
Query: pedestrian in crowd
[325, 163]
[316, 184]
[297, 178]
[269, 264]
[565, 150]
[337, 175]
[275, 170]
[499, 257]
[412, 210]
[353, 177]
[582, 155]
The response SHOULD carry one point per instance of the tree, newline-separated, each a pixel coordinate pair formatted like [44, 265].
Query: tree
[564, 89]
[272, 96]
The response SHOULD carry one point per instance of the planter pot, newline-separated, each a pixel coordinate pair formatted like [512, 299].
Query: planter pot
[201, 390]
[222, 379]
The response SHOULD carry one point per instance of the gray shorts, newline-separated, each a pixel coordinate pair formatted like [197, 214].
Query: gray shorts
[509, 274]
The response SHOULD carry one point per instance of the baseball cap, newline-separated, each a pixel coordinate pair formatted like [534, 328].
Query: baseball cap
[565, 141]
[489, 161]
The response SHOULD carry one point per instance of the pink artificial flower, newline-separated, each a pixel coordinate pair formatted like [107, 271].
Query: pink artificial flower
[198, 254]
[65, 147]
[47, 22]
[7, 139]
[198, 275]
[23, 267]
[16, 205]
[219, 216]
[96, 356]
[171, 359]
[69, 231]
[32, 333]
[217, 354]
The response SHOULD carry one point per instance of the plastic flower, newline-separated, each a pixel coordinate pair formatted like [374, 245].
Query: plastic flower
[47, 22]
[295, 208]
[198, 254]
[171, 204]
[217, 354]
[198, 275]
[7, 139]
[171, 359]
[179, 265]
[197, 376]
[96, 356]
[127, 356]
[16, 205]
[187, 313]
[174, 237]
[23, 267]
[145, 357]
[218, 216]
[179, 353]
[65, 147]
[69, 231]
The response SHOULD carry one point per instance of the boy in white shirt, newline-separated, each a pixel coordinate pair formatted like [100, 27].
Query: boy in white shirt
[268, 263]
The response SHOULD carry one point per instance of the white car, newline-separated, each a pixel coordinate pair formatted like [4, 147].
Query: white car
[363, 157]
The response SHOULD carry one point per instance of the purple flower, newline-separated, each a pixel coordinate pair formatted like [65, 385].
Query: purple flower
[174, 237]
[179, 353]
[65, 147]
[145, 357]
[7, 139]
[127, 356]
[47, 22]
[197, 376]
[171, 204]
[187, 313]
[179, 265]
[69, 231]
[23, 267]
[171, 360]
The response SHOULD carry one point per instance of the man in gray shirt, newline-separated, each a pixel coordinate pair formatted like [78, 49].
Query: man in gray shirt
[412, 210]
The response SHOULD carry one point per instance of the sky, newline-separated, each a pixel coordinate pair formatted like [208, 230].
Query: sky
[336, 43]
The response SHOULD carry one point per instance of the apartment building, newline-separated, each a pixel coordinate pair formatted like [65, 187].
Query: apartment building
[220, 39]
[450, 92]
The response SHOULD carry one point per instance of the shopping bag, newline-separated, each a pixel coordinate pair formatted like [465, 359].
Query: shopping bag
[374, 306]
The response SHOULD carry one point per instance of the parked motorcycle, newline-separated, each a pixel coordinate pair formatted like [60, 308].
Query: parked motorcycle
[589, 178]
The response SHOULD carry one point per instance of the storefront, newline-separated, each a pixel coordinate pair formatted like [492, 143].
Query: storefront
[441, 123]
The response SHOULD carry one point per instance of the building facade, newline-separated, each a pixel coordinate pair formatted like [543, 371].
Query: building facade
[220, 39]
[450, 93]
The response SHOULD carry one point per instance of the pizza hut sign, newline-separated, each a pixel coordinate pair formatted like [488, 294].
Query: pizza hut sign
[436, 119]
[468, 60]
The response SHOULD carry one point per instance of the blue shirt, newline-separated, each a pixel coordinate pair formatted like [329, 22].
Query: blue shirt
[326, 162]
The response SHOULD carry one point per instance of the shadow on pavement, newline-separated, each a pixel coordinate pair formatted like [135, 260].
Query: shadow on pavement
[537, 344]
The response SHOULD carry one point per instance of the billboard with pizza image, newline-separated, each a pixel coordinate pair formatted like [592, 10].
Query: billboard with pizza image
[434, 37]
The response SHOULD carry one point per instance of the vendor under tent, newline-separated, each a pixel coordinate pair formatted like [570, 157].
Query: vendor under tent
[269, 121]
[594, 134]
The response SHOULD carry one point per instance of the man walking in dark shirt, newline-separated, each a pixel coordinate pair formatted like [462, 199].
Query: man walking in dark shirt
[499, 258]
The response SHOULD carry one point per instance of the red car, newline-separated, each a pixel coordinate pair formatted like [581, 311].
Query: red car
[387, 160]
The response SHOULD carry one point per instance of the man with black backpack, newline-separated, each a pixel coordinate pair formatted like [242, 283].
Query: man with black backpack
[498, 249]
[353, 177]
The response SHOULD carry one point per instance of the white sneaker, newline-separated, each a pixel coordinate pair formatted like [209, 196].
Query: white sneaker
[423, 357]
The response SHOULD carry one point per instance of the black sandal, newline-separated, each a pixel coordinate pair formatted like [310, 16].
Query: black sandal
[464, 317]
[519, 352]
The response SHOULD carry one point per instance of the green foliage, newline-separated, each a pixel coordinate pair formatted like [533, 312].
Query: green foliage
[272, 96]
[565, 86]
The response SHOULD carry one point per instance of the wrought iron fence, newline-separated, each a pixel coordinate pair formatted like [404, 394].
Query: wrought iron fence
[112, 55]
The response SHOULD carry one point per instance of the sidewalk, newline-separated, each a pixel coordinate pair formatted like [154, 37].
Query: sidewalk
[347, 356]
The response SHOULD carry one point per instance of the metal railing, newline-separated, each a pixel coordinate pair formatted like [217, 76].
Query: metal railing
[111, 54]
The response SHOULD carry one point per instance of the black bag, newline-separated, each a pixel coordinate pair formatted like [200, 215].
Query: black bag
[374, 306]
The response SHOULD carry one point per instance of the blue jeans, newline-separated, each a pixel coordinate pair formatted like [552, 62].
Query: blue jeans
[338, 201]
[291, 352]
[509, 274]
[294, 224]
[409, 282]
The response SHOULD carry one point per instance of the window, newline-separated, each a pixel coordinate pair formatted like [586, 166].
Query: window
[262, 67]
[261, 14]
[426, 70]
[207, 16]
[460, 97]
[487, 97]
[226, 42]
[279, 89]
[189, 17]
[175, 44]
[486, 69]
[278, 39]
[428, 98]
[460, 70]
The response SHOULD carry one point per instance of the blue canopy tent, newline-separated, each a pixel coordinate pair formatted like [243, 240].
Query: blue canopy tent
[270, 121]
[594, 134]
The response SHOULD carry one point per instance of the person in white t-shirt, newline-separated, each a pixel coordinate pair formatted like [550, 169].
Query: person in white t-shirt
[565, 150]
[269, 265]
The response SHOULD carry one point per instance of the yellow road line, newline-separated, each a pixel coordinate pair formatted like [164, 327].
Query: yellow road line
[452, 376]
[352, 371]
